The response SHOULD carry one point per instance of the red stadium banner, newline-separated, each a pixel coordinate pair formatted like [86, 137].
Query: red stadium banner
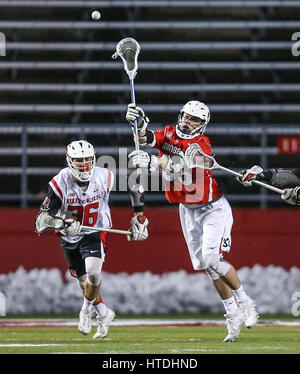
[288, 144]
[265, 237]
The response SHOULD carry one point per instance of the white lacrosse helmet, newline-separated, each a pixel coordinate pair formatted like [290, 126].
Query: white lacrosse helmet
[197, 109]
[81, 160]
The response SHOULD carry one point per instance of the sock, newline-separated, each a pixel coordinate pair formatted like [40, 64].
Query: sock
[100, 308]
[87, 303]
[230, 305]
[240, 294]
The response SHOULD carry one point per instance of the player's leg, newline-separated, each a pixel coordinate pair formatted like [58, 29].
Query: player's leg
[228, 292]
[193, 226]
[99, 306]
[214, 223]
[77, 270]
[92, 299]
[234, 316]
[216, 235]
[246, 304]
[93, 252]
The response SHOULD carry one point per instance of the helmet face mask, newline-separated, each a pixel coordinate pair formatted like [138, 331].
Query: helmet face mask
[193, 119]
[81, 160]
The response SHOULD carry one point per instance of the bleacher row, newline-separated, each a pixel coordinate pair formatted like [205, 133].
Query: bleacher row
[58, 82]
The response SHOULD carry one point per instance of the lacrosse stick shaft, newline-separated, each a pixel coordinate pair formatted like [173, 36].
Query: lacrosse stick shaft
[113, 231]
[215, 165]
[135, 126]
[262, 184]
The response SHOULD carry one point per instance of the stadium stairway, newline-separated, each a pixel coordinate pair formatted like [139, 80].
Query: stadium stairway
[58, 81]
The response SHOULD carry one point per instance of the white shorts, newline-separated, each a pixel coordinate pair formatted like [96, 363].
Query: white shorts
[207, 230]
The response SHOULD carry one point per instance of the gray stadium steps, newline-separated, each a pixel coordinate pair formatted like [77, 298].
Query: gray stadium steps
[148, 3]
[48, 25]
[150, 108]
[151, 88]
[147, 46]
[150, 65]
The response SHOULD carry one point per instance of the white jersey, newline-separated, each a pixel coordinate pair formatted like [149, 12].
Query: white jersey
[89, 207]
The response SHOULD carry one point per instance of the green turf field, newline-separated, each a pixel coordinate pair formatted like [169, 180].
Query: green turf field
[151, 340]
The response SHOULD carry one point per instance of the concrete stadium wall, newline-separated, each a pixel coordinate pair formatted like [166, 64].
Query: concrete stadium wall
[265, 237]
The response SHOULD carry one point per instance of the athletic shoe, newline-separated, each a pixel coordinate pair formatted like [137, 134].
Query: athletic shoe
[234, 323]
[103, 324]
[248, 308]
[85, 322]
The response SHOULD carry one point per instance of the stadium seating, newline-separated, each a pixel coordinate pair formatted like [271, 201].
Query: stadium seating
[58, 83]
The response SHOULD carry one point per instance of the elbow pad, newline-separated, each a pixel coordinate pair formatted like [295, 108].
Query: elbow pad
[285, 178]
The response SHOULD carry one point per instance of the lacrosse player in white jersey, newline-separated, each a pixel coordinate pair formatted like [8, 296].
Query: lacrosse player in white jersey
[205, 214]
[79, 194]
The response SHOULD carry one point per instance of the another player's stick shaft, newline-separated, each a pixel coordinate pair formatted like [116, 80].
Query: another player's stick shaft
[215, 165]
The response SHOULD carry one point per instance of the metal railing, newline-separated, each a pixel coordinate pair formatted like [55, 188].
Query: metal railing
[150, 88]
[149, 65]
[144, 25]
[149, 46]
[150, 108]
[149, 3]
[24, 151]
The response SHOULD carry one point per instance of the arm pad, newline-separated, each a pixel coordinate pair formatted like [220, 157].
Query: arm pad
[148, 140]
[137, 198]
[285, 178]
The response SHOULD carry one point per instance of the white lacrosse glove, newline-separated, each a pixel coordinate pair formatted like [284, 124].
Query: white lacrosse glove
[136, 113]
[249, 175]
[292, 195]
[138, 228]
[141, 159]
[72, 227]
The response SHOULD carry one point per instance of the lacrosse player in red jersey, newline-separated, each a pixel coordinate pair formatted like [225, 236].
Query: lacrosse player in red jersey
[79, 194]
[289, 180]
[205, 214]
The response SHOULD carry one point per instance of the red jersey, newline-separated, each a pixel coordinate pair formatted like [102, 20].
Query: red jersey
[192, 186]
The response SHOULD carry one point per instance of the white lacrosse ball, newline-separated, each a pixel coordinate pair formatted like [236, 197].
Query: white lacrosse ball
[96, 15]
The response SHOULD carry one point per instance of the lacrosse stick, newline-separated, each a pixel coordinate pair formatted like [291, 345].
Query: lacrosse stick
[128, 49]
[45, 222]
[196, 157]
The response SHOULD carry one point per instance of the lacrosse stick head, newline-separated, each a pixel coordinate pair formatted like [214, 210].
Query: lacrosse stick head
[195, 157]
[128, 49]
[45, 222]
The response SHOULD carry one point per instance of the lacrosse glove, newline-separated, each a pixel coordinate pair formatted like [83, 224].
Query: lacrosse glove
[292, 195]
[141, 159]
[138, 228]
[249, 175]
[136, 113]
[72, 227]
